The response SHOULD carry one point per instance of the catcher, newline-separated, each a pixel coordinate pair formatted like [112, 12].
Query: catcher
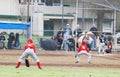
[29, 50]
[83, 50]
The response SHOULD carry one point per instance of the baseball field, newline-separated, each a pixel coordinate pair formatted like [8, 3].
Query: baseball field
[60, 64]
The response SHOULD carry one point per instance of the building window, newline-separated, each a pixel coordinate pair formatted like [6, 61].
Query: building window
[56, 3]
[43, 1]
[49, 2]
[23, 2]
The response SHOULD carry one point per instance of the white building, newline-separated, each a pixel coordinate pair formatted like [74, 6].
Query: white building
[48, 16]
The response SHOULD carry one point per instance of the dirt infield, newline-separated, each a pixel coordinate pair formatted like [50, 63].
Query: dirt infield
[62, 59]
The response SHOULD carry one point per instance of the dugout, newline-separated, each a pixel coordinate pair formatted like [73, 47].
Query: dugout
[16, 26]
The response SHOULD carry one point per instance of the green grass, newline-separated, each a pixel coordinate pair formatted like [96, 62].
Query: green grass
[10, 71]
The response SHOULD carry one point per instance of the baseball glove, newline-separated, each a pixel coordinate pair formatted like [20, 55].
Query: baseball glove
[27, 63]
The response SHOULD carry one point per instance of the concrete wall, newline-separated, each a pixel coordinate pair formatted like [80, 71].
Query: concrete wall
[38, 24]
[9, 7]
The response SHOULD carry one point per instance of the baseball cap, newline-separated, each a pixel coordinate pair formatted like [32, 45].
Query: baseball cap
[30, 41]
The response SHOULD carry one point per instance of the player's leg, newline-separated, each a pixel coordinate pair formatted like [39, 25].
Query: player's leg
[100, 47]
[103, 48]
[36, 59]
[89, 57]
[18, 64]
[21, 59]
[78, 55]
[39, 65]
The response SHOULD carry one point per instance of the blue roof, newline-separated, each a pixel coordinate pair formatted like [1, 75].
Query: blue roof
[14, 25]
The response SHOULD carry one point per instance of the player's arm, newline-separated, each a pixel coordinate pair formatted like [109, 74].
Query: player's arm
[25, 47]
[34, 48]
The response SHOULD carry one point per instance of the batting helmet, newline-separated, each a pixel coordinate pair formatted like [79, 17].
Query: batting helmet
[83, 42]
[30, 41]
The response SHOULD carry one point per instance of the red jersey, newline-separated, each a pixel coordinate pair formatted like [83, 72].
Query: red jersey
[83, 47]
[31, 46]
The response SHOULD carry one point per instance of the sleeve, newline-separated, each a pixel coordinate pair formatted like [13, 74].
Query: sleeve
[25, 47]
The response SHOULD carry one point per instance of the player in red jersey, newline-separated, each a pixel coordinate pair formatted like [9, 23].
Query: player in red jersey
[29, 50]
[83, 49]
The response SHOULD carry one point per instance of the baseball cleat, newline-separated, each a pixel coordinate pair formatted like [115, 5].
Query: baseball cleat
[16, 67]
[40, 68]
[89, 62]
[77, 62]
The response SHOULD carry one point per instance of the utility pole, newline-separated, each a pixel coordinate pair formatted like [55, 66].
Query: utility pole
[31, 22]
[83, 20]
[76, 17]
[28, 19]
[62, 13]
[28, 6]
[114, 29]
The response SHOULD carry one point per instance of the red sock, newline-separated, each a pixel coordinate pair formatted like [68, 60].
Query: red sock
[38, 64]
[18, 64]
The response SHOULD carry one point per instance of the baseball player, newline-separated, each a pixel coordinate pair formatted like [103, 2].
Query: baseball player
[102, 41]
[29, 50]
[83, 49]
